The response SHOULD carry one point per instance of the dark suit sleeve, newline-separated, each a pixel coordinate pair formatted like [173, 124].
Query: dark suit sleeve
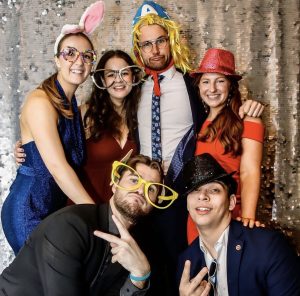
[283, 274]
[180, 267]
[60, 257]
[195, 256]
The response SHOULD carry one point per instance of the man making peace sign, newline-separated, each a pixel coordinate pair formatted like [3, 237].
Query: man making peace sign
[87, 249]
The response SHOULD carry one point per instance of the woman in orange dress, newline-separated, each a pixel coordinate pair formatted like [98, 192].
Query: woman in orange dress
[237, 144]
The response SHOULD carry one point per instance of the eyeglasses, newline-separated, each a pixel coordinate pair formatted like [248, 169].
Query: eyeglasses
[160, 42]
[158, 195]
[71, 55]
[212, 276]
[130, 75]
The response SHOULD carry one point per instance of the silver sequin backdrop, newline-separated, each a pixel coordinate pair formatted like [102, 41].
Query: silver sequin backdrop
[263, 34]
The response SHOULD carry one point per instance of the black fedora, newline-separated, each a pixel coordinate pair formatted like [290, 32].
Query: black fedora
[203, 169]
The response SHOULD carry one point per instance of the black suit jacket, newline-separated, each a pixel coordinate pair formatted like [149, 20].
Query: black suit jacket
[63, 257]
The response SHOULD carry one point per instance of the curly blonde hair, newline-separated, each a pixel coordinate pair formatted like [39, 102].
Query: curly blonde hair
[179, 51]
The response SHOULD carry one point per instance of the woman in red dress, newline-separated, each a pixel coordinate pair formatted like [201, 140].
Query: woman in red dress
[237, 144]
[110, 120]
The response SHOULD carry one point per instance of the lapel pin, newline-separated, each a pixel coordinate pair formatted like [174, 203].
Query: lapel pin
[238, 247]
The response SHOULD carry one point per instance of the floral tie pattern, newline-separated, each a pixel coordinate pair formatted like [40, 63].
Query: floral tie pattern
[156, 132]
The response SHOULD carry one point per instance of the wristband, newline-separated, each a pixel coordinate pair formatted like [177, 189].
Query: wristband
[139, 278]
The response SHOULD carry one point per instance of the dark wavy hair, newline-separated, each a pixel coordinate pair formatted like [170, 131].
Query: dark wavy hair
[49, 87]
[227, 126]
[101, 115]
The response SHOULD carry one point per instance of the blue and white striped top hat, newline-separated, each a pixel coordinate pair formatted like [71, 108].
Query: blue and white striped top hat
[150, 7]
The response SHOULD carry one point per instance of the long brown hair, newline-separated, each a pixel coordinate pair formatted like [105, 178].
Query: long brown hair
[101, 115]
[227, 125]
[49, 87]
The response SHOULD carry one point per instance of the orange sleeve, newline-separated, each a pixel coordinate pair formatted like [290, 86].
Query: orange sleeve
[254, 131]
[192, 232]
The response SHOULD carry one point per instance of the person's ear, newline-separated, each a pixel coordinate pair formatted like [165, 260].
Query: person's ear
[232, 202]
[57, 63]
[113, 188]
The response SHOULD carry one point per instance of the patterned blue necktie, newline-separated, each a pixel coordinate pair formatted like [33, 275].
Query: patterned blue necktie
[156, 132]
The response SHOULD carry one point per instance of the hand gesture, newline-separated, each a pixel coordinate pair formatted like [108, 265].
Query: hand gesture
[196, 286]
[126, 251]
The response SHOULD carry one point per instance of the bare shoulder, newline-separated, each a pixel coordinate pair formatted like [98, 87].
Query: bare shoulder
[37, 99]
[252, 119]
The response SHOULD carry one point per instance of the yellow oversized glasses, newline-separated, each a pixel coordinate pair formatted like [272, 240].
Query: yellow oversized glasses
[158, 195]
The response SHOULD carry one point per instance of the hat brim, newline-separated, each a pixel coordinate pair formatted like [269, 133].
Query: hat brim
[210, 180]
[195, 73]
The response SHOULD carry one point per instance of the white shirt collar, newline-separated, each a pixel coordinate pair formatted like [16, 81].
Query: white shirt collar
[223, 239]
[169, 74]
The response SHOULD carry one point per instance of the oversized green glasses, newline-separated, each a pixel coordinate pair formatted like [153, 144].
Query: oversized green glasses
[158, 195]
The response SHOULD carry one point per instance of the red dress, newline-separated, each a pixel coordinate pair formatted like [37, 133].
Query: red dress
[96, 173]
[252, 130]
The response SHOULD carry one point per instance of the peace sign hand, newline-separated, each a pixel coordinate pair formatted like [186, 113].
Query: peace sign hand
[196, 286]
[126, 251]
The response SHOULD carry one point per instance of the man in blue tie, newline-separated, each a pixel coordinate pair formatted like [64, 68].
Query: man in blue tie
[240, 260]
[169, 117]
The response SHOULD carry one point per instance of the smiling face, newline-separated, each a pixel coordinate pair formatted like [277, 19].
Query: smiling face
[214, 90]
[133, 204]
[72, 74]
[157, 58]
[210, 206]
[119, 89]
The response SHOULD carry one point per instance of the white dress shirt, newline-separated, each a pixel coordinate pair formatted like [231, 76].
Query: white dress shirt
[175, 109]
[221, 250]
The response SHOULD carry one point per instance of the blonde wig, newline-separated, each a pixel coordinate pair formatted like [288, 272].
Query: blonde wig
[179, 51]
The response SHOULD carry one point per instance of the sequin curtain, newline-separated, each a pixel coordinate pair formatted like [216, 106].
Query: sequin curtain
[263, 34]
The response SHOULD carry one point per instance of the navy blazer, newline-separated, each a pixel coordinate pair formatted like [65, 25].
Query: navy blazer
[259, 262]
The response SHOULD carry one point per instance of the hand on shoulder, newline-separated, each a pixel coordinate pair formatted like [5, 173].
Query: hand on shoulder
[252, 119]
[251, 108]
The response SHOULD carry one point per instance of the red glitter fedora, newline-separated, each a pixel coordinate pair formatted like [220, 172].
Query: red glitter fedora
[217, 60]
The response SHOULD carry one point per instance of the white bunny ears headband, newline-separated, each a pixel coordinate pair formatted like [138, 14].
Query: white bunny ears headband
[89, 21]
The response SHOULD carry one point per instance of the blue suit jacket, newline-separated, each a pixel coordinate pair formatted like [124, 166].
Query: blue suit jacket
[259, 262]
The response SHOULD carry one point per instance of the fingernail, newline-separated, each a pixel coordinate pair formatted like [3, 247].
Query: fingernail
[24, 155]
[22, 150]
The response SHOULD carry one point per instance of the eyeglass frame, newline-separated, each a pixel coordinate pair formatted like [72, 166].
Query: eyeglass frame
[141, 45]
[117, 72]
[140, 182]
[78, 53]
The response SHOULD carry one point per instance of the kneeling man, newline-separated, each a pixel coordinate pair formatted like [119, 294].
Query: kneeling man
[70, 253]
[240, 260]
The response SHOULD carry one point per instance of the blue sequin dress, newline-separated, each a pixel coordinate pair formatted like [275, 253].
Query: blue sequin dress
[34, 193]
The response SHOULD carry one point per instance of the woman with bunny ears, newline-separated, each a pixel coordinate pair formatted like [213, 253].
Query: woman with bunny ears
[52, 136]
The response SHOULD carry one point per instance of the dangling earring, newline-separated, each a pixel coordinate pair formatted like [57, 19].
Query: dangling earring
[205, 106]
[228, 99]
